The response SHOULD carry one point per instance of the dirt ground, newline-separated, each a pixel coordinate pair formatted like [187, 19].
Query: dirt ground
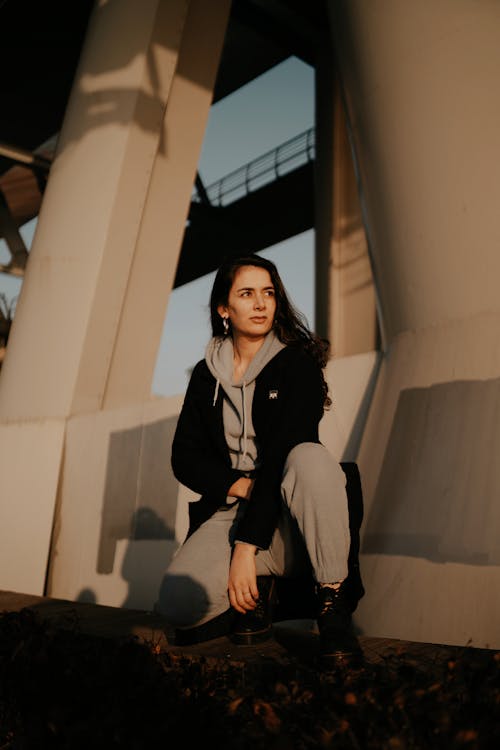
[64, 684]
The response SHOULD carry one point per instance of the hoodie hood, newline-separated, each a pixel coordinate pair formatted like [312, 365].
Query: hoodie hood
[219, 358]
[238, 428]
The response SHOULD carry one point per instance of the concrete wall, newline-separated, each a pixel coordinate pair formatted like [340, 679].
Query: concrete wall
[121, 512]
[420, 82]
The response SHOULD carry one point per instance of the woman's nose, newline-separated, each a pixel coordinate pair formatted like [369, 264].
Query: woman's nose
[259, 302]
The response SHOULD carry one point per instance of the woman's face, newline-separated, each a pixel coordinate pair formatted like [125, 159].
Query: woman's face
[251, 304]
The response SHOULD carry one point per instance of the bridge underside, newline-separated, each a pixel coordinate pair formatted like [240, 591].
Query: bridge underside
[46, 43]
[271, 214]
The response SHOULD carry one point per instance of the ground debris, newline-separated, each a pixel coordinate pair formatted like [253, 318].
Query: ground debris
[60, 688]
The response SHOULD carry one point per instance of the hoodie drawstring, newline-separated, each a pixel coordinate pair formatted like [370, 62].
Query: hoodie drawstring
[216, 393]
[244, 420]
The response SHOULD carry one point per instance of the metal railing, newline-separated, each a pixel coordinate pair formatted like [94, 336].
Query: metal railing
[290, 155]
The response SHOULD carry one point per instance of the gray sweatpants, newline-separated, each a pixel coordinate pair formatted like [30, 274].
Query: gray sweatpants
[312, 535]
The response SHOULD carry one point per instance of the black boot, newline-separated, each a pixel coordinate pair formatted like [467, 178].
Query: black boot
[256, 625]
[217, 627]
[336, 636]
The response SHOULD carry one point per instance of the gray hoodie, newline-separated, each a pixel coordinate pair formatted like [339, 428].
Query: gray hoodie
[237, 406]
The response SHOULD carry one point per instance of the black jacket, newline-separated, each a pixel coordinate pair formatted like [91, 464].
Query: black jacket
[286, 410]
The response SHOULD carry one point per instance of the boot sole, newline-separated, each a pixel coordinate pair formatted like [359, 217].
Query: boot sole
[250, 639]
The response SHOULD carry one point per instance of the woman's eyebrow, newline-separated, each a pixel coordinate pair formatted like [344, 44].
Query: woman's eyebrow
[252, 289]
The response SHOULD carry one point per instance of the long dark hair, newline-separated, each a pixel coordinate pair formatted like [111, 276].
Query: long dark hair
[290, 324]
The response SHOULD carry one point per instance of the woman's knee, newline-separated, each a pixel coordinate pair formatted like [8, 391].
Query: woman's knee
[313, 460]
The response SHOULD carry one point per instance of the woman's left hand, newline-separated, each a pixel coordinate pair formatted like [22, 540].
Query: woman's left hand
[242, 585]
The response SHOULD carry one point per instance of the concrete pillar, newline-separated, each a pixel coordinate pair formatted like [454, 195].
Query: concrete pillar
[421, 82]
[345, 292]
[89, 318]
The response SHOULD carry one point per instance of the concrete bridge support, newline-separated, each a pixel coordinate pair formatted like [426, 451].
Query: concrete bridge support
[420, 81]
[345, 294]
[102, 265]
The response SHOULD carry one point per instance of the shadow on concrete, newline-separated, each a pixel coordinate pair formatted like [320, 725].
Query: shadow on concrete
[437, 495]
[140, 493]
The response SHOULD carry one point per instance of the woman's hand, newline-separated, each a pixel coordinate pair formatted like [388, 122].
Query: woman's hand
[241, 488]
[242, 585]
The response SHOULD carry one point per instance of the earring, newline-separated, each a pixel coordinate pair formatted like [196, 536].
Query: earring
[225, 323]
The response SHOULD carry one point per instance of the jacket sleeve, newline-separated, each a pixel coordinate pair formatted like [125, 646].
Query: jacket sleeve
[196, 462]
[296, 421]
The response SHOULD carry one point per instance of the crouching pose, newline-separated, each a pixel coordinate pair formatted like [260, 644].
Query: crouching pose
[273, 500]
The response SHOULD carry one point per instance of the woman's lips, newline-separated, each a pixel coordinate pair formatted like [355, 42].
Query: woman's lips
[259, 319]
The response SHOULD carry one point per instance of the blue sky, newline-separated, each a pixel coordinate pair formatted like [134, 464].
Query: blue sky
[274, 108]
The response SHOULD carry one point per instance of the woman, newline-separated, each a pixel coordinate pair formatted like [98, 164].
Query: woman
[273, 500]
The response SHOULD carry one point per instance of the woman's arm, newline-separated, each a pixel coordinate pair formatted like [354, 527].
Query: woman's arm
[242, 488]
[295, 421]
[242, 581]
